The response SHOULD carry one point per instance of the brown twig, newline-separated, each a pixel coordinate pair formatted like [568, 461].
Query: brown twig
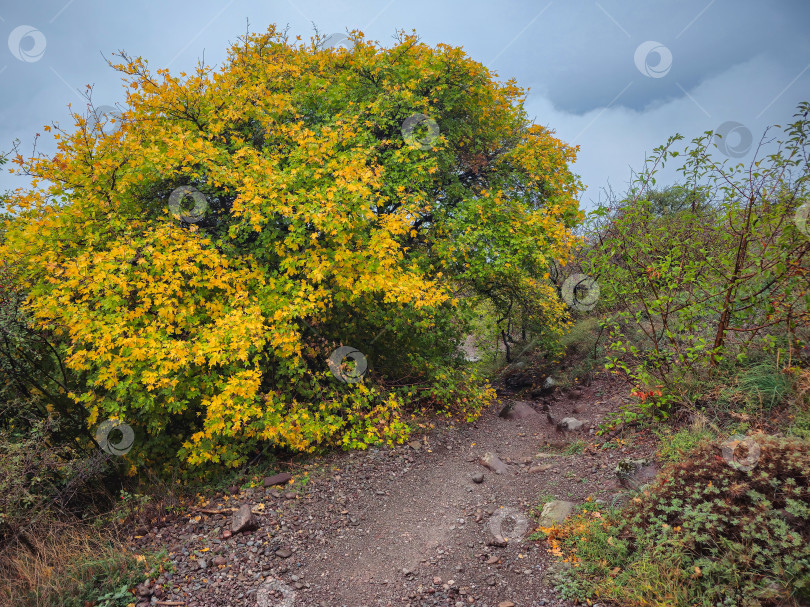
[212, 511]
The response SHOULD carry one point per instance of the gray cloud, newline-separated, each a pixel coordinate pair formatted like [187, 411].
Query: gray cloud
[736, 60]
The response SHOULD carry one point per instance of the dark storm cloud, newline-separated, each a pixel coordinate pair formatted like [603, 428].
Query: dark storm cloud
[731, 60]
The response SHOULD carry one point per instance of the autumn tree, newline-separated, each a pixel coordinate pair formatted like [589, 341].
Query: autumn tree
[202, 253]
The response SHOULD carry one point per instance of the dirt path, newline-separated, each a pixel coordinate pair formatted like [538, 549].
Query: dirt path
[403, 526]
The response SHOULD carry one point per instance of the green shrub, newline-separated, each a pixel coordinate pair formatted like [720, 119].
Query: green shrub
[703, 534]
[706, 276]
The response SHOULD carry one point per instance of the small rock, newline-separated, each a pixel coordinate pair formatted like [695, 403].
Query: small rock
[540, 468]
[243, 520]
[493, 462]
[555, 512]
[635, 473]
[506, 604]
[415, 445]
[284, 553]
[290, 495]
[277, 479]
[144, 590]
[202, 564]
[220, 560]
[497, 541]
[478, 478]
[520, 410]
[570, 424]
[493, 559]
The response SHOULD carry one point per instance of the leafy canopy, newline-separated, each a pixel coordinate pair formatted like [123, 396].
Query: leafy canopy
[316, 222]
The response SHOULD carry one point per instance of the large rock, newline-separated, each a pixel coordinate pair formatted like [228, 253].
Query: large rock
[555, 512]
[494, 463]
[520, 410]
[243, 520]
[635, 473]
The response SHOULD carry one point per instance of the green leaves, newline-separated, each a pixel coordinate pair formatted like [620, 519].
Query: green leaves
[323, 227]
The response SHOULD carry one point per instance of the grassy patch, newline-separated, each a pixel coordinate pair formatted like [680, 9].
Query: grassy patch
[800, 427]
[675, 446]
[761, 386]
[575, 448]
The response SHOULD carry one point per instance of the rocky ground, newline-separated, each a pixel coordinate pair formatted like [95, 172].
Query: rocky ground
[427, 523]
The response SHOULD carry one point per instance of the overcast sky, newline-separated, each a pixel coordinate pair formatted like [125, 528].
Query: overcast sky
[616, 77]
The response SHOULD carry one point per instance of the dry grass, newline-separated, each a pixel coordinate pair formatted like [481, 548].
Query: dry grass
[65, 564]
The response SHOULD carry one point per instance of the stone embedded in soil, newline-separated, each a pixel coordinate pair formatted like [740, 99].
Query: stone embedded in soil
[144, 590]
[520, 410]
[415, 445]
[478, 478]
[493, 462]
[635, 473]
[570, 424]
[555, 512]
[506, 604]
[243, 520]
[497, 541]
[540, 468]
[284, 553]
[546, 389]
[277, 479]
